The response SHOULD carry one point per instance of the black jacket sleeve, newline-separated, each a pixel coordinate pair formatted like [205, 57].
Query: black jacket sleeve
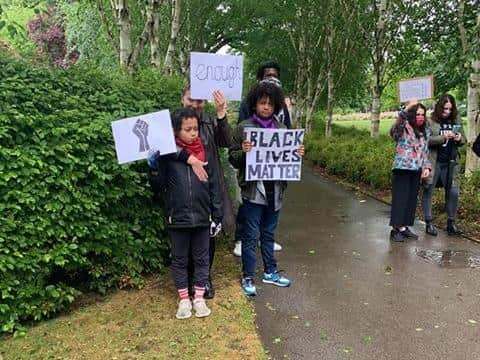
[476, 146]
[236, 156]
[216, 199]
[287, 120]
[243, 113]
[223, 133]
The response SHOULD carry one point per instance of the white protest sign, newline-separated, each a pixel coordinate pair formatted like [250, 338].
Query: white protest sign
[135, 136]
[416, 88]
[274, 154]
[209, 72]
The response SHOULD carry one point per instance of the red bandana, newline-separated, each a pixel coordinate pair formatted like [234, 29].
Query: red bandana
[196, 148]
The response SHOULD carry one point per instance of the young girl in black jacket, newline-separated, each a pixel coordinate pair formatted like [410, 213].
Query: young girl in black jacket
[192, 211]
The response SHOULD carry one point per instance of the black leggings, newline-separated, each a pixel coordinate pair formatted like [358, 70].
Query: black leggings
[405, 185]
[190, 245]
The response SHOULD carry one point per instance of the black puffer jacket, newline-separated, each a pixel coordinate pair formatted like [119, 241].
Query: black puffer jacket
[188, 201]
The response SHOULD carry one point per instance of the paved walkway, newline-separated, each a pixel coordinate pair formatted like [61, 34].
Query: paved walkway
[355, 295]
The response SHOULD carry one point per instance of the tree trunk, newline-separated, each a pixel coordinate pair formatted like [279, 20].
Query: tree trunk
[378, 66]
[154, 7]
[473, 110]
[376, 105]
[123, 18]
[330, 103]
[175, 27]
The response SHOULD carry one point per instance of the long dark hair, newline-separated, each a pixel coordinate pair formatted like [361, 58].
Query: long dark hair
[411, 115]
[437, 112]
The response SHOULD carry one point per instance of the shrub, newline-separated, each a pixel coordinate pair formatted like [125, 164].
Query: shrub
[72, 218]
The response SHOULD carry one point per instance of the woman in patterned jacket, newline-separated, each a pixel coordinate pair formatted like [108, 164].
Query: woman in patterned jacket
[410, 167]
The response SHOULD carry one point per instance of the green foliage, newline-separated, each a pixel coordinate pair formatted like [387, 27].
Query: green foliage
[352, 154]
[72, 218]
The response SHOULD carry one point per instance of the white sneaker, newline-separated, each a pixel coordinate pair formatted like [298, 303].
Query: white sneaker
[201, 308]
[184, 309]
[277, 246]
[237, 250]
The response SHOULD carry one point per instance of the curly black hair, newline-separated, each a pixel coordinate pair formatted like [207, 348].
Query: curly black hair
[273, 92]
[269, 64]
[411, 117]
[437, 112]
[179, 115]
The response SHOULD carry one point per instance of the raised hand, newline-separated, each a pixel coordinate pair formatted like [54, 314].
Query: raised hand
[220, 104]
[140, 129]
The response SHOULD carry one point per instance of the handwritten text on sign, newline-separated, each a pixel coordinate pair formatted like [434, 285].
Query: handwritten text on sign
[209, 72]
[417, 88]
[274, 155]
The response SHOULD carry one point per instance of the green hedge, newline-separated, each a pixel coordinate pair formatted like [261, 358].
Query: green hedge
[72, 219]
[354, 156]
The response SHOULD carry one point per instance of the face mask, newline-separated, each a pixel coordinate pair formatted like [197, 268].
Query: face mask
[419, 120]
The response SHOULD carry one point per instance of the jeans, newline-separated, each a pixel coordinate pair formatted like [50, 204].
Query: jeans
[451, 199]
[258, 220]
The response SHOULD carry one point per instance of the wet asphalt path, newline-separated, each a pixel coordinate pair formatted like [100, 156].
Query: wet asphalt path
[355, 295]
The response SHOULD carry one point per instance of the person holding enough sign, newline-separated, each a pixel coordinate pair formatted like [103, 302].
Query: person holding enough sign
[193, 211]
[410, 166]
[261, 200]
[445, 139]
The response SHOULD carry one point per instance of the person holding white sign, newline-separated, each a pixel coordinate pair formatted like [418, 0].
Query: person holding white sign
[262, 200]
[193, 211]
[445, 139]
[410, 166]
[215, 133]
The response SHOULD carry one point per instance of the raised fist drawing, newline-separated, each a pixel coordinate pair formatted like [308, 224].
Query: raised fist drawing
[140, 129]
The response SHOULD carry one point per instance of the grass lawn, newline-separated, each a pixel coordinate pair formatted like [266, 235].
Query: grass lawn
[385, 124]
[141, 324]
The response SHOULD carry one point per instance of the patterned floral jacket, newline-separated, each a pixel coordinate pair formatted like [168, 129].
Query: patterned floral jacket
[411, 153]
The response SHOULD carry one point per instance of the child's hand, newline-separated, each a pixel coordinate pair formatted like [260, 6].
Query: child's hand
[246, 146]
[301, 150]
[197, 167]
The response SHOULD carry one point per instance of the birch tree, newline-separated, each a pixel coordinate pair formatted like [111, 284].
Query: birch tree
[174, 29]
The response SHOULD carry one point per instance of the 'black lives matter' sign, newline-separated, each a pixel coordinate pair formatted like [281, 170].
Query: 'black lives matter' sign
[274, 155]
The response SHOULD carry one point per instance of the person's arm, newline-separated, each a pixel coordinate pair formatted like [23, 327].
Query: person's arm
[223, 133]
[216, 200]
[243, 113]
[476, 146]
[287, 120]
[459, 138]
[236, 155]
[436, 140]
[397, 129]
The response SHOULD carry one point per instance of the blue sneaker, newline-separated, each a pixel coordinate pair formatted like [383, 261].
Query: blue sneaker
[249, 287]
[275, 279]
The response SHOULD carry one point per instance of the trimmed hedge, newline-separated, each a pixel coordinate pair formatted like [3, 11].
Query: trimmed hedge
[354, 156]
[72, 219]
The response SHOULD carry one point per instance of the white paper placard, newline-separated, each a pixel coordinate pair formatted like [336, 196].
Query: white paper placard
[274, 155]
[417, 88]
[135, 136]
[209, 72]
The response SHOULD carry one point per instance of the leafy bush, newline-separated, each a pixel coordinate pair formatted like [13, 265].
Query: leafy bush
[72, 218]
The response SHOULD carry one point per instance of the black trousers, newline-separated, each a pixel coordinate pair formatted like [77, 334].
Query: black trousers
[405, 185]
[188, 243]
